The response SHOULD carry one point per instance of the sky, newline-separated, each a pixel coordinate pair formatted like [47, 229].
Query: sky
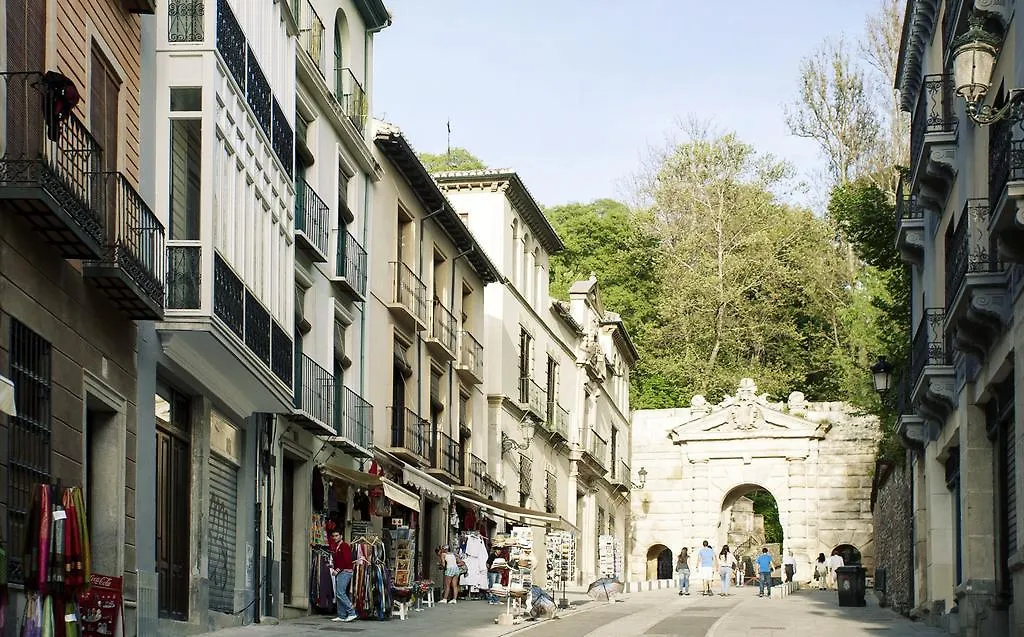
[573, 94]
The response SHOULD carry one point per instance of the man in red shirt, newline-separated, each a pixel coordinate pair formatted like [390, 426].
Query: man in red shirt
[341, 569]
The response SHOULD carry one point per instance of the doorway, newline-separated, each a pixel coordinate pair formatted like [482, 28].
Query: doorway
[659, 562]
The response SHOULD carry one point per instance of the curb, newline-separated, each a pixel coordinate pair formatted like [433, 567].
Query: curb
[571, 613]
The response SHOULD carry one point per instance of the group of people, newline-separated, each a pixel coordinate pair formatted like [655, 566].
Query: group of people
[453, 568]
[825, 570]
[709, 566]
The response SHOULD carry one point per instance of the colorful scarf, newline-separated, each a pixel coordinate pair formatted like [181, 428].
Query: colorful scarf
[43, 541]
[83, 535]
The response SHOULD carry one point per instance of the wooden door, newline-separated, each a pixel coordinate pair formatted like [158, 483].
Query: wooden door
[172, 523]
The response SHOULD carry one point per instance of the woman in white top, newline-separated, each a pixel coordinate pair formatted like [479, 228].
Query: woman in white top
[726, 564]
[450, 564]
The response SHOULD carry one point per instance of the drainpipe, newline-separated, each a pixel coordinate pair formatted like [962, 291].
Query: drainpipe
[451, 363]
[364, 225]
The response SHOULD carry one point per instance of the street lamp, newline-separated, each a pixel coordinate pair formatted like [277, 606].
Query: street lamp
[974, 58]
[526, 428]
[881, 375]
[643, 477]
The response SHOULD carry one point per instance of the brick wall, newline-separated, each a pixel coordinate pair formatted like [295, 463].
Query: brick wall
[893, 512]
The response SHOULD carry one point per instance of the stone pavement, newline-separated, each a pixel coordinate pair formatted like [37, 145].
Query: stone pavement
[655, 613]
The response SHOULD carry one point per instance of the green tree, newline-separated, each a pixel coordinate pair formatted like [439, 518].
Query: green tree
[766, 506]
[750, 286]
[456, 159]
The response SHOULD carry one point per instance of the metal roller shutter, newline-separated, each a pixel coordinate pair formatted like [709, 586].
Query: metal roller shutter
[223, 527]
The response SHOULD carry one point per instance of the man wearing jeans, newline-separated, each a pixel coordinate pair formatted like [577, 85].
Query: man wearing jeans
[764, 567]
[492, 576]
[341, 563]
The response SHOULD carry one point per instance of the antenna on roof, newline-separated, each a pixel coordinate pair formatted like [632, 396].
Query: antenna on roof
[451, 164]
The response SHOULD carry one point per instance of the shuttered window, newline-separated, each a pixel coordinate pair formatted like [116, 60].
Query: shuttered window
[223, 527]
[1000, 416]
[104, 86]
[26, 51]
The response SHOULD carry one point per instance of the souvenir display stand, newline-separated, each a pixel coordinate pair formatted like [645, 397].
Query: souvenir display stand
[521, 558]
[606, 555]
[506, 618]
[561, 562]
[403, 588]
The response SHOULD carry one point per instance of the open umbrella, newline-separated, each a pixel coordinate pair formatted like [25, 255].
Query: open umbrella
[603, 589]
[541, 604]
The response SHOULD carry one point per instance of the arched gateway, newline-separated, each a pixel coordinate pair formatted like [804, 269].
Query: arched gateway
[814, 459]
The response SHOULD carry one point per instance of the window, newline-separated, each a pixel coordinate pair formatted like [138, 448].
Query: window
[552, 389]
[26, 51]
[173, 484]
[186, 99]
[28, 435]
[525, 478]
[614, 469]
[186, 163]
[952, 467]
[1001, 430]
[550, 491]
[104, 89]
[185, 20]
[340, 27]
[525, 364]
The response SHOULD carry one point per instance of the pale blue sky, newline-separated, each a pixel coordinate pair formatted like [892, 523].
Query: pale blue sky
[571, 93]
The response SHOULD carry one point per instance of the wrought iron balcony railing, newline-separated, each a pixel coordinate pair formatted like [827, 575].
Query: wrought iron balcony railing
[351, 262]
[471, 355]
[1000, 143]
[449, 457]
[132, 270]
[184, 277]
[477, 474]
[969, 249]
[620, 474]
[185, 20]
[281, 353]
[350, 94]
[934, 113]
[930, 344]
[52, 168]
[408, 431]
[442, 327]
[356, 419]
[408, 291]
[558, 419]
[312, 219]
[907, 206]
[314, 391]
[228, 296]
[597, 448]
[532, 396]
[311, 31]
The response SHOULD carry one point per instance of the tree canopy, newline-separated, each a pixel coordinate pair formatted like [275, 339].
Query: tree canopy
[456, 159]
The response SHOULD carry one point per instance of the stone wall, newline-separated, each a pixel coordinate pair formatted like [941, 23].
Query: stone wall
[893, 512]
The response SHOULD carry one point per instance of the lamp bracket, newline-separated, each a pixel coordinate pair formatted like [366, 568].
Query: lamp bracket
[508, 444]
[986, 114]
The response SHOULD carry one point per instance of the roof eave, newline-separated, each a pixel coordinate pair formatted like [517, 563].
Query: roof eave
[375, 15]
[621, 336]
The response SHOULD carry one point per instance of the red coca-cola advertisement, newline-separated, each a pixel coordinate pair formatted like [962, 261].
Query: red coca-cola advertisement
[99, 607]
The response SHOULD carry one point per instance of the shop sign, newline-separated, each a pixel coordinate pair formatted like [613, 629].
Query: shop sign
[358, 528]
[99, 607]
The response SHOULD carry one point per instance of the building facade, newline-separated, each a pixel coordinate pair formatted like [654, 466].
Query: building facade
[81, 265]
[959, 230]
[556, 374]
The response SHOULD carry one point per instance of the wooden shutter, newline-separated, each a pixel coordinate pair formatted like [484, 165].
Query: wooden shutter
[26, 51]
[103, 98]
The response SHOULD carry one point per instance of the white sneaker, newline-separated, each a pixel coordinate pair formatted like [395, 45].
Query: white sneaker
[337, 619]
[452, 602]
[442, 601]
[350, 618]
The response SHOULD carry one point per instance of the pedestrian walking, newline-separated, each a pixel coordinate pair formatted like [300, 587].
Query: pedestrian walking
[765, 567]
[726, 564]
[683, 571]
[341, 569]
[834, 561]
[706, 567]
[821, 571]
[789, 565]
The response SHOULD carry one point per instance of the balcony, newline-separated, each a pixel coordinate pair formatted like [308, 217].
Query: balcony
[470, 362]
[353, 423]
[909, 225]
[314, 397]
[620, 477]
[352, 98]
[350, 266]
[933, 135]
[477, 479]
[216, 328]
[1006, 191]
[131, 272]
[446, 459]
[913, 430]
[931, 370]
[977, 297]
[409, 435]
[312, 222]
[532, 398]
[408, 302]
[441, 339]
[595, 455]
[48, 172]
[311, 32]
[557, 420]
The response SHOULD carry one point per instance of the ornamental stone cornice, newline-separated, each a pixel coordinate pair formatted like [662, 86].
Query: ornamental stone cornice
[1001, 9]
[918, 27]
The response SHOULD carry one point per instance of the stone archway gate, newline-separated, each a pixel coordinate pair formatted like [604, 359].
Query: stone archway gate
[816, 459]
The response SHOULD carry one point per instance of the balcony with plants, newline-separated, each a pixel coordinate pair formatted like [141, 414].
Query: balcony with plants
[977, 299]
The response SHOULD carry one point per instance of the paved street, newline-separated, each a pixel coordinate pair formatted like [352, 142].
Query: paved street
[646, 614]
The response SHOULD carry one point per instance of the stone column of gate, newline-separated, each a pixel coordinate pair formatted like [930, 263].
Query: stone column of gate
[939, 530]
[798, 507]
[978, 520]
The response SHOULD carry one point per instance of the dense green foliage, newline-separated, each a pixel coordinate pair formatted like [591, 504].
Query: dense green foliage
[766, 506]
[456, 159]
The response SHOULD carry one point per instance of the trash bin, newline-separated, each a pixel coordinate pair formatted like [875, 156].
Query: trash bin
[851, 582]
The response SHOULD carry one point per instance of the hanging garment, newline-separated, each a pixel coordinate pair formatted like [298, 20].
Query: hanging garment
[82, 522]
[476, 564]
[47, 619]
[32, 619]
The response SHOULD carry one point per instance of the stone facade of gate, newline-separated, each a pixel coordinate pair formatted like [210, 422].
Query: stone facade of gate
[816, 459]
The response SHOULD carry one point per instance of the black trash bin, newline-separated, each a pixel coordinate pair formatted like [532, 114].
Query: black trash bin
[851, 582]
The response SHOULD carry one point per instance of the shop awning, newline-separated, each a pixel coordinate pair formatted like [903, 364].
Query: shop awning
[7, 397]
[427, 484]
[358, 478]
[400, 495]
[513, 512]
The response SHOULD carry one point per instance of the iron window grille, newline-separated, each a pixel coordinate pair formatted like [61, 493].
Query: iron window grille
[550, 492]
[28, 435]
[525, 475]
